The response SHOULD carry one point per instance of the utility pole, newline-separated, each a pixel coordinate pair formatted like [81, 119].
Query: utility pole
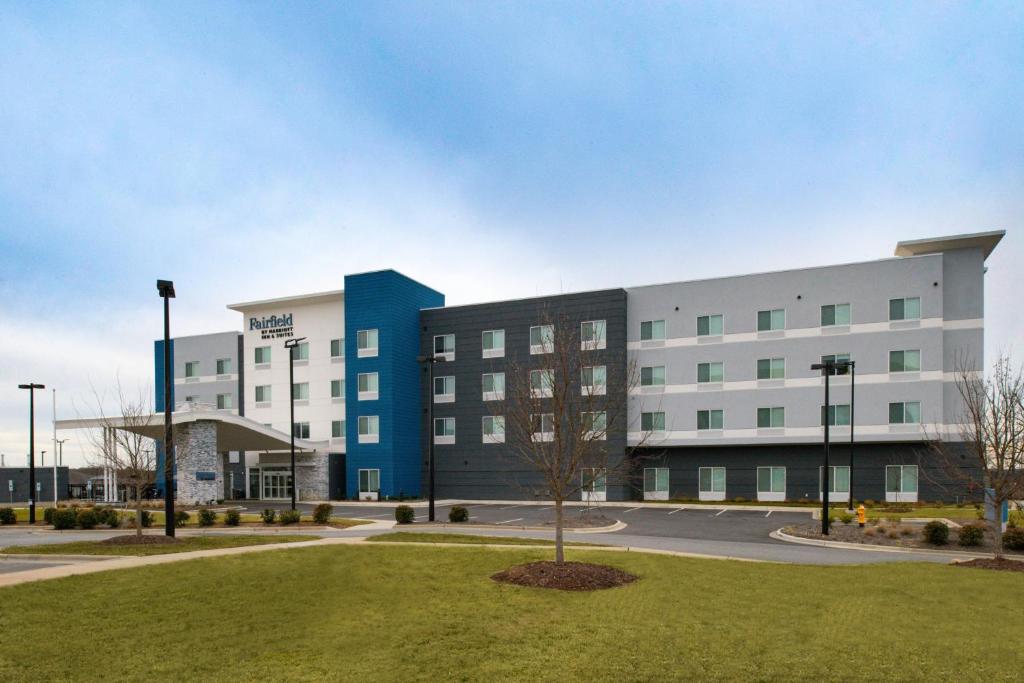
[32, 386]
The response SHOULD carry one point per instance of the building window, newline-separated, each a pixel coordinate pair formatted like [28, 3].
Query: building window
[444, 430]
[770, 418]
[656, 481]
[300, 391]
[369, 482]
[444, 346]
[300, 430]
[900, 479]
[444, 389]
[652, 330]
[594, 380]
[592, 335]
[835, 314]
[366, 343]
[711, 480]
[369, 428]
[838, 479]
[771, 368]
[836, 358]
[652, 422]
[494, 344]
[710, 419]
[838, 415]
[493, 428]
[337, 389]
[263, 393]
[905, 361]
[595, 481]
[301, 351]
[337, 429]
[771, 480]
[542, 383]
[542, 339]
[225, 402]
[262, 355]
[710, 325]
[905, 413]
[192, 368]
[774, 319]
[595, 424]
[544, 427]
[653, 376]
[223, 366]
[337, 348]
[710, 372]
[493, 386]
[367, 386]
[905, 309]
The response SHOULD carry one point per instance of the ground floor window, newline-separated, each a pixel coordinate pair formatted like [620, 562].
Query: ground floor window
[655, 483]
[595, 484]
[838, 480]
[711, 483]
[771, 483]
[901, 483]
[369, 482]
[254, 482]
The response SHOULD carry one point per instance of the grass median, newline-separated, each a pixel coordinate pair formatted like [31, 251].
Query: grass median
[465, 539]
[184, 544]
[386, 612]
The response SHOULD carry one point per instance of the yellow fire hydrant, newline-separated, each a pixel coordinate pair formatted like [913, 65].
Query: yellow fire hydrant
[861, 515]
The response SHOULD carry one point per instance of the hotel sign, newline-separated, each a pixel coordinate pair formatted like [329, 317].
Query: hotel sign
[273, 326]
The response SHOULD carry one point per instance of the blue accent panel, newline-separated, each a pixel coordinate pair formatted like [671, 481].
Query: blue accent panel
[390, 303]
[158, 390]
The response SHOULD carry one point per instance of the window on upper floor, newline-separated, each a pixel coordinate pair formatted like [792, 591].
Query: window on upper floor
[262, 393]
[493, 344]
[262, 355]
[542, 383]
[710, 372]
[337, 429]
[367, 386]
[652, 376]
[542, 339]
[493, 386]
[838, 415]
[493, 428]
[905, 361]
[594, 380]
[300, 430]
[192, 368]
[301, 351]
[652, 330]
[710, 419]
[771, 368]
[366, 343]
[223, 366]
[593, 335]
[225, 402]
[710, 325]
[773, 319]
[337, 348]
[444, 345]
[543, 426]
[768, 418]
[905, 412]
[652, 422]
[595, 424]
[368, 427]
[337, 388]
[835, 314]
[300, 391]
[905, 309]
[444, 389]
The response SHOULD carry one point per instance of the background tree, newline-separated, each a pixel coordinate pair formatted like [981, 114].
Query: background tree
[991, 427]
[120, 445]
[565, 419]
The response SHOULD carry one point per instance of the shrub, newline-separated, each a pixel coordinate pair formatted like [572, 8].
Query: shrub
[8, 516]
[290, 517]
[64, 519]
[181, 518]
[1013, 538]
[87, 518]
[147, 519]
[936, 533]
[110, 517]
[869, 503]
[845, 518]
[48, 515]
[232, 517]
[458, 514]
[1016, 519]
[404, 514]
[322, 513]
[870, 532]
[269, 515]
[893, 533]
[971, 535]
[739, 499]
[907, 530]
[207, 517]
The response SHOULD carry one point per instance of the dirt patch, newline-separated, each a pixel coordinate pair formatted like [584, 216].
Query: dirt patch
[585, 520]
[140, 540]
[1001, 564]
[902, 535]
[568, 576]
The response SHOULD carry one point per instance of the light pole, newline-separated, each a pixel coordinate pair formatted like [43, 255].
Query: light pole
[430, 361]
[58, 462]
[852, 365]
[166, 289]
[291, 345]
[32, 386]
[827, 368]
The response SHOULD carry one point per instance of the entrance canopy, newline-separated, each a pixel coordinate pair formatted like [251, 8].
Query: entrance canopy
[234, 432]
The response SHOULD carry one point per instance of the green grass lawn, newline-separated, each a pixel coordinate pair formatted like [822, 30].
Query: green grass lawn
[380, 612]
[949, 512]
[185, 544]
[466, 539]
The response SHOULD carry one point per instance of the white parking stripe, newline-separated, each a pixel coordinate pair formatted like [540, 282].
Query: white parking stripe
[509, 521]
[512, 506]
[721, 511]
[676, 510]
[630, 510]
[769, 513]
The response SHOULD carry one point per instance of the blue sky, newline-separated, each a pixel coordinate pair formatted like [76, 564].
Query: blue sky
[491, 150]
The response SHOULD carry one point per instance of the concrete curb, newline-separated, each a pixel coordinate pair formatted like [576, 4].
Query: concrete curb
[466, 525]
[780, 535]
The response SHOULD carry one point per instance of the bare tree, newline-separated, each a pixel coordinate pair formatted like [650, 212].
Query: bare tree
[120, 444]
[992, 431]
[565, 412]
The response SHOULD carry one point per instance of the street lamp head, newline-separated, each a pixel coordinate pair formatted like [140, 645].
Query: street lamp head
[31, 385]
[166, 288]
[293, 342]
[819, 366]
[430, 359]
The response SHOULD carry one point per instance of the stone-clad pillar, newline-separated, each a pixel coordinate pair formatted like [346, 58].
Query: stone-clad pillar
[313, 476]
[200, 470]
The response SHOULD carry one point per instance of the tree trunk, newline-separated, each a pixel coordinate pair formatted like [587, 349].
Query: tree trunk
[997, 529]
[138, 515]
[559, 549]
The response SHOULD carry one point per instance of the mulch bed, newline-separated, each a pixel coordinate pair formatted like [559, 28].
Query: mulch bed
[140, 540]
[586, 520]
[1001, 564]
[568, 576]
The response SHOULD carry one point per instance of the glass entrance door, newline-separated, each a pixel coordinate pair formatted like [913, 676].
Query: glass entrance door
[277, 484]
